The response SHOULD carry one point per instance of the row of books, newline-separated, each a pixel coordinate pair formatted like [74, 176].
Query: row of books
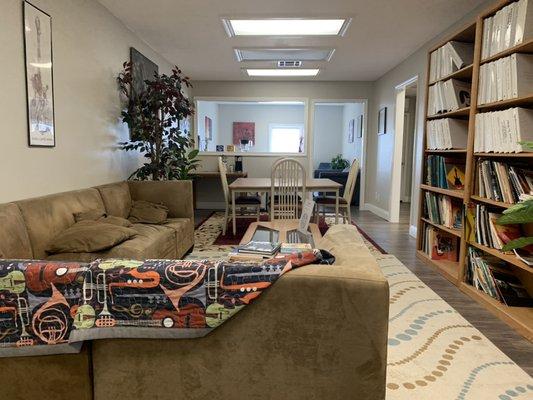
[503, 182]
[509, 27]
[439, 245]
[447, 133]
[443, 210]
[450, 58]
[502, 131]
[506, 78]
[448, 96]
[492, 276]
[445, 173]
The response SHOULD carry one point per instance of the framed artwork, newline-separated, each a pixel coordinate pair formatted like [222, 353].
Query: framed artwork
[382, 121]
[142, 69]
[360, 122]
[230, 148]
[243, 130]
[351, 130]
[39, 76]
[219, 147]
[208, 128]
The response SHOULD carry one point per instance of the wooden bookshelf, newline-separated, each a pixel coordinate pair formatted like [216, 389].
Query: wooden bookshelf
[520, 318]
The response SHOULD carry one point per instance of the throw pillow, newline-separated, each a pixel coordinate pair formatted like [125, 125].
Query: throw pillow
[89, 237]
[110, 219]
[91, 215]
[144, 212]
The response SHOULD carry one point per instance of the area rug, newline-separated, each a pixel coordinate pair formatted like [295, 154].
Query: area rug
[433, 352]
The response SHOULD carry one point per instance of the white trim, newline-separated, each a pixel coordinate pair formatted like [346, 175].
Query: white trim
[412, 230]
[380, 212]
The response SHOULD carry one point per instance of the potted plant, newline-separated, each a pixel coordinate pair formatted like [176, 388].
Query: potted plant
[339, 163]
[154, 118]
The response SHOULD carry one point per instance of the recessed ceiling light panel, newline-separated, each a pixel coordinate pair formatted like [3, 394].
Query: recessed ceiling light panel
[282, 72]
[285, 27]
[283, 54]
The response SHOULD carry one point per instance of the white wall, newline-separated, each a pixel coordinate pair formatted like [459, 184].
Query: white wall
[351, 151]
[207, 109]
[89, 47]
[328, 132]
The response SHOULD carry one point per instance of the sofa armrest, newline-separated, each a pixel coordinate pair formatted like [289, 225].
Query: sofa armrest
[176, 195]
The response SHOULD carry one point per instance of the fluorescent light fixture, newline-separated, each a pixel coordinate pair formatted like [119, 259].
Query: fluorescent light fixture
[282, 72]
[283, 54]
[286, 27]
[41, 65]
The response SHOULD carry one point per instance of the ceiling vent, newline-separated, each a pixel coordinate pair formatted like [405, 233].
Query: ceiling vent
[289, 64]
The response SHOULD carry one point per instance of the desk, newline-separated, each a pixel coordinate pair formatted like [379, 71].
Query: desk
[263, 185]
[210, 175]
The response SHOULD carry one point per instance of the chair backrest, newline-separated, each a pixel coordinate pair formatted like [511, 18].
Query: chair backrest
[287, 180]
[224, 179]
[351, 181]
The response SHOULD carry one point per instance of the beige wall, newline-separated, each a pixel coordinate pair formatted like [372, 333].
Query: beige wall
[89, 47]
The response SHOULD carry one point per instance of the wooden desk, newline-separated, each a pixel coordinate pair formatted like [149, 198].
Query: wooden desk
[263, 185]
[211, 175]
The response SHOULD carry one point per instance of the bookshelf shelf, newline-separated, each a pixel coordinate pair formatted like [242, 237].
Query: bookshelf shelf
[511, 259]
[505, 155]
[524, 101]
[449, 269]
[465, 72]
[490, 201]
[462, 112]
[526, 47]
[447, 151]
[450, 192]
[520, 318]
[453, 231]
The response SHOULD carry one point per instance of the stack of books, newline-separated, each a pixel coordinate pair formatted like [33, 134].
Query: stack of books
[449, 58]
[503, 182]
[506, 78]
[448, 96]
[502, 131]
[439, 245]
[266, 249]
[445, 173]
[447, 133]
[509, 27]
[442, 210]
[491, 275]
[489, 233]
[290, 248]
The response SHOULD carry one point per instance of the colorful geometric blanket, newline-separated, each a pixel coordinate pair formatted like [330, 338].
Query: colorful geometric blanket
[51, 307]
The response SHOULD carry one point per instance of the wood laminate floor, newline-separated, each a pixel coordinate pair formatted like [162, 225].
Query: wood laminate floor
[395, 239]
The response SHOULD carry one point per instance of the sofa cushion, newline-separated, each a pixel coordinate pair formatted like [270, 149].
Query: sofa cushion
[48, 216]
[91, 215]
[145, 212]
[88, 237]
[14, 239]
[117, 198]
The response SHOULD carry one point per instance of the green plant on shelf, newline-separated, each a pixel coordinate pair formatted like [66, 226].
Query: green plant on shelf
[521, 213]
[339, 163]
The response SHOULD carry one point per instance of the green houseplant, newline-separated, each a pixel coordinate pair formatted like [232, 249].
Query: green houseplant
[154, 118]
[338, 162]
[521, 213]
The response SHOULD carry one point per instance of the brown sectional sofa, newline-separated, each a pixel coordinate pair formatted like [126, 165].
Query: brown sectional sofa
[319, 333]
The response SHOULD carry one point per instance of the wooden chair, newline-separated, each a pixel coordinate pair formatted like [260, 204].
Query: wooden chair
[243, 203]
[288, 181]
[322, 202]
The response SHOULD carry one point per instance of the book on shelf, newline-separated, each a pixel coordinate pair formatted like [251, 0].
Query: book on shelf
[449, 58]
[443, 210]
[492, 276]
[290, 248]
[508, 27]
[439, 245]
[503, 182]
[502, 131]
[445, 172]
[260, 248]
[448, 96]
[506, 78]
[447, 133]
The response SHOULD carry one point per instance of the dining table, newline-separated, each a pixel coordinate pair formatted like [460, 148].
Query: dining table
[264, 185]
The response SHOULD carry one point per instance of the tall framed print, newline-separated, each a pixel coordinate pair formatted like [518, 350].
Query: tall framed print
[382, 121]
[39, 76]
[360, 122]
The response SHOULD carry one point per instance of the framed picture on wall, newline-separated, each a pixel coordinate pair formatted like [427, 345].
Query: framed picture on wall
[208, 128]
[360, 122]
[382, 121]
[243, 130]
[39, 76]
[351, 130]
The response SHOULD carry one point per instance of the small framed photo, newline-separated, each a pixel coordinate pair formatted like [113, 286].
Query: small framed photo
[360, 122]
[230, 148]
[351, 130]
[382, 121]
[219, 147]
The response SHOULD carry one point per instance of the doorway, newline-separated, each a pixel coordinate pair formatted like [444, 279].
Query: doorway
[403, 187]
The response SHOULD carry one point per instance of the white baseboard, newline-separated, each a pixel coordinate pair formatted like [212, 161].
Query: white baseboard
[412, 231]
[380, 212]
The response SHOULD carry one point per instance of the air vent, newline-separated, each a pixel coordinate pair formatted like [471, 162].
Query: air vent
[289, 64]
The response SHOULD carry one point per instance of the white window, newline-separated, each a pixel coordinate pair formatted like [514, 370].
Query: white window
[286, 138]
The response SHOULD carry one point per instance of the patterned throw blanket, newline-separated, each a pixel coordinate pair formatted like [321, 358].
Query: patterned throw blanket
[51, 307]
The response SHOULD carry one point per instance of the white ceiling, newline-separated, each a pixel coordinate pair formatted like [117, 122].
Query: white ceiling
[190, 33]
